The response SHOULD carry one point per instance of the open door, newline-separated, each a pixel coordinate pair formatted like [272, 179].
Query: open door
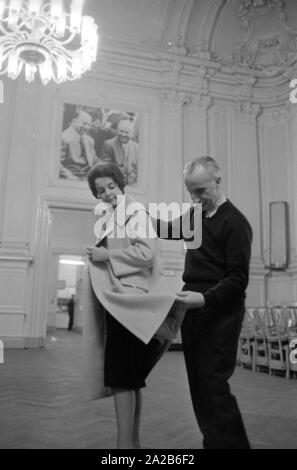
[52, 293]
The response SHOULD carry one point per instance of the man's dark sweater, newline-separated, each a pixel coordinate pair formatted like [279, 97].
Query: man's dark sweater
[220, 267]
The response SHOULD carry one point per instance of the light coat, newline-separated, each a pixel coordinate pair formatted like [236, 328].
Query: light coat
[131, 289]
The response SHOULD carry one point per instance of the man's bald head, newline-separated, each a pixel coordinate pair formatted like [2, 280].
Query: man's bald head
[124, 130]
[82, 122]
[208, 163]
[203, 181]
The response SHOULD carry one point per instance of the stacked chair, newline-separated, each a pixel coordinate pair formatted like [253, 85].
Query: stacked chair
[246, 345]
[291, 327]
[264, 342]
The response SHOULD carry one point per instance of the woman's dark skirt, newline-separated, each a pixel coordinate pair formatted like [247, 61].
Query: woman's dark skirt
[128, 361]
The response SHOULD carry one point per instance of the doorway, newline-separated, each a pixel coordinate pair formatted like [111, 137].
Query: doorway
[63, 310]
[63, 233]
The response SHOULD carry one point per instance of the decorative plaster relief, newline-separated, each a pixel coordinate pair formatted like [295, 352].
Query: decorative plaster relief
[171, 72]
[177, 46]
[201, 51]
[200, 79]
[247, 112]
[201, 105]
[269, 43]
[173, 101]
[245, 86]
[276, 117]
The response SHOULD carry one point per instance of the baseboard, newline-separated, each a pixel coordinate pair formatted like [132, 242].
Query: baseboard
[34, 343]
[13, 343]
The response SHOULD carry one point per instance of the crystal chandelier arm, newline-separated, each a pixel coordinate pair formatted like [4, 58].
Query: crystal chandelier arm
[3, 30]
[60, 49]
[19, 35]
[50, 34]
[57, 47]
[46, 8]
[56, 54]
[17, 28]
[69, 39]
[7, 45]
[15, 37]
[51, 31]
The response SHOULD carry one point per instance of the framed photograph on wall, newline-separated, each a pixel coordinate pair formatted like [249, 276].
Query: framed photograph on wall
[91, 135]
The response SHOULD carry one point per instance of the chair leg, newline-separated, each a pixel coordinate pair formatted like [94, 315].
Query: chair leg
[286, 348]
[254, 357]
[269, 359]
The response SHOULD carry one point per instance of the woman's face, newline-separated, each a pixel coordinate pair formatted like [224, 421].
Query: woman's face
[107, 190]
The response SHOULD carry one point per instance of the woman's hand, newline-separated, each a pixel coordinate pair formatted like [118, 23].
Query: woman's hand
[192, 299]
[97, 255]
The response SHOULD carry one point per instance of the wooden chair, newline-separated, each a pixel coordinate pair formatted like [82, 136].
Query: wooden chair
[245, 352]
[293, 364]
[264, 339]
[261, 347]
[291, 316]
[277, 341]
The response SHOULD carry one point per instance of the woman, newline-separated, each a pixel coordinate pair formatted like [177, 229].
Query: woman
[126, 280]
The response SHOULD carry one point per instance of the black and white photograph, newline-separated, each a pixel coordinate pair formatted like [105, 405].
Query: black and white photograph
[148, 229]
[93, 135]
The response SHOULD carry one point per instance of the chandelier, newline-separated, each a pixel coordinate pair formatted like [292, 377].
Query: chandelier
[40, 36]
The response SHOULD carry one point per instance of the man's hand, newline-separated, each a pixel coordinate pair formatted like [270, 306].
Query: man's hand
[97, 255]
[192, 299]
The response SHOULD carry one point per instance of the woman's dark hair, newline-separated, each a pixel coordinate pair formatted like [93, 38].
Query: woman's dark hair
[109, 170]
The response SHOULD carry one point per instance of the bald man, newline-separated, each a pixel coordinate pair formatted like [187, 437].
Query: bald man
[78, 148]
[123, 151]
[216, 276]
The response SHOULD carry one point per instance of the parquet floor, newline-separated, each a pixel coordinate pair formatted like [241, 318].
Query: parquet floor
[42, 404]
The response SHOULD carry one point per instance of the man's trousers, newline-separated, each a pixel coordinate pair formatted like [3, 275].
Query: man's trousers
[210, 340]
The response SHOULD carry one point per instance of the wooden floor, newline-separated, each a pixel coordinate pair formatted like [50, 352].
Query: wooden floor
[42, 404]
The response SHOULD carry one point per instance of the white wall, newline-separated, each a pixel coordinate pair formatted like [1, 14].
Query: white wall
[188, 107]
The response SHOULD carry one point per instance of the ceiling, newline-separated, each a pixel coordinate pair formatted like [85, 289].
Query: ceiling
[255, 34]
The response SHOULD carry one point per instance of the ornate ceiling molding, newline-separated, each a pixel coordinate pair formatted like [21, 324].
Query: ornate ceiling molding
[272, 49]
[275, 117]
[247, 112]
[173, 101]
[171, 74]
[200, 105]
[183, 17]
